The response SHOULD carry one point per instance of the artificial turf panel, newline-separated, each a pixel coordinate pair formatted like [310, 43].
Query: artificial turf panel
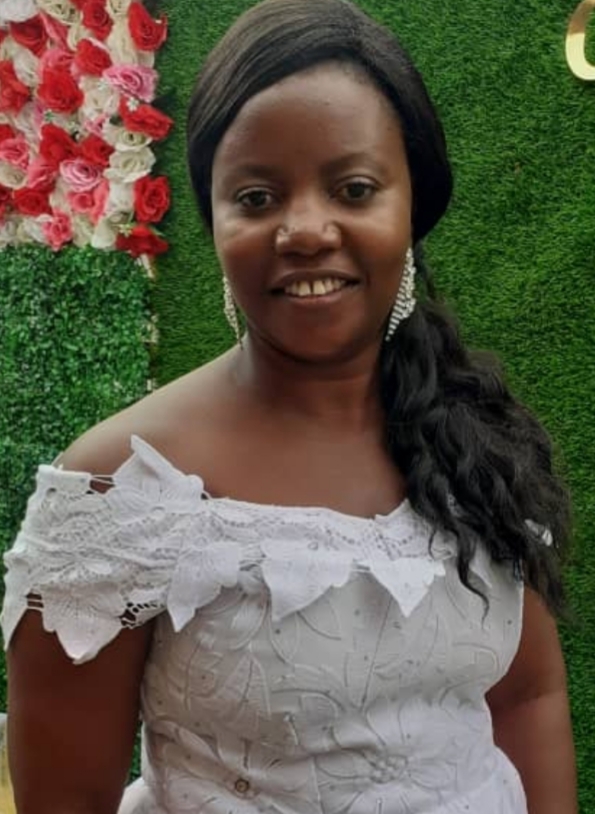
[74, 348]
[514, 256]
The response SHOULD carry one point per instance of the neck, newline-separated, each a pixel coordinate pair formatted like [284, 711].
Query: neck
[331, 392]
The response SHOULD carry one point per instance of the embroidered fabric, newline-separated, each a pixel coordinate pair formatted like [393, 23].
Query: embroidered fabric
[304, 661]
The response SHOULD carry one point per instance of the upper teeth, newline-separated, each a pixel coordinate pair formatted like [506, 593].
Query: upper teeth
[317, 288]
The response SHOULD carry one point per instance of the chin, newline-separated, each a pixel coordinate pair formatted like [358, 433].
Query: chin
[323, 349]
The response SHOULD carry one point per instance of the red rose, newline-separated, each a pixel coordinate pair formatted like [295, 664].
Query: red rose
[5, 199]
[56, 31]
[145, 119]
[147, 34]
[6, 131]
[56, 145]
[13, 94]
[141, 240]
[60, 92]
[30, 34]
[96, 18]
[151, 198]
[95, 150]
[33, 202]
[90, 58]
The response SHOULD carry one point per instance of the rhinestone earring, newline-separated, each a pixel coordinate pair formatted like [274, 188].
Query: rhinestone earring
[230, 310]
[405, 302]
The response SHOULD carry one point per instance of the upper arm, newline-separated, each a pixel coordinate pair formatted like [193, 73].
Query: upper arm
[71, 728]
[538, 666]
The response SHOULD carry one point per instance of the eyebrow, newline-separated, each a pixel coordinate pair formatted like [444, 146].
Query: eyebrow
[330, 168]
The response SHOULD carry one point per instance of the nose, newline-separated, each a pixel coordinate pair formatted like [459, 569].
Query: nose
[307, 230]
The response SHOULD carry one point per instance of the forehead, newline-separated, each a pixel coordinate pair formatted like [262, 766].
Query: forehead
[314, 116]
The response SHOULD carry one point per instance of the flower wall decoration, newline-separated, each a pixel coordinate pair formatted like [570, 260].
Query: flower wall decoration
[77, 125]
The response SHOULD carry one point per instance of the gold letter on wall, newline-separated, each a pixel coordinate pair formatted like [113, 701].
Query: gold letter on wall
[575, 41]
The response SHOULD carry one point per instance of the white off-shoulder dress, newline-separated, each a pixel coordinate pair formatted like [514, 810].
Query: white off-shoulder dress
[304, 661]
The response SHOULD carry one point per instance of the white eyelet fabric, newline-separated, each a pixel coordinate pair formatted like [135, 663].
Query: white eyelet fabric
[304, 661]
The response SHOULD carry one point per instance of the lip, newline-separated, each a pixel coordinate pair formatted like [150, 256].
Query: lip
[309, 276]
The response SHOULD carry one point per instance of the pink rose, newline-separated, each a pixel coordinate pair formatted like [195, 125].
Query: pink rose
[80, 175]
[95, 126]
[81, 202]
[133, 80]
[41, 174]
[58, 230]
[15, 151]
[100, 199]
[56, 59]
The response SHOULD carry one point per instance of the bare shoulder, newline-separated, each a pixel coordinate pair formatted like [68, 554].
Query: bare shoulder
[167, 419]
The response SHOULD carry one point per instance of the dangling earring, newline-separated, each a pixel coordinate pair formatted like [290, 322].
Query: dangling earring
[230, 310]
[405, 302]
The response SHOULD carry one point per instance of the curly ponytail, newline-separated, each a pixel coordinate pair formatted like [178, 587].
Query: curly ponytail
[476, 462]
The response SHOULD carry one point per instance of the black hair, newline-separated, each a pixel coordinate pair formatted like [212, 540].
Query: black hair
[476, 462]
[278, 38]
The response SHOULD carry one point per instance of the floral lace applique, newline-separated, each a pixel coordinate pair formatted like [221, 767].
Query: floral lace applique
[96, 561]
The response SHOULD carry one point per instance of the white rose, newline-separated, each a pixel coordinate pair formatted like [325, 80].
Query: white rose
[100, 99]
[8, 232]
[8, 49]
[121, 45]
[82, 230]
[61, 10]
[26, 66]
[30, 230]
[117, 8]
[27, 122]
[76, 33]
[127, 167]
[122, 49]
[120, 200]
[12, 177]
[17, 11]
[105, 234]
[58, 199]
[124, 140]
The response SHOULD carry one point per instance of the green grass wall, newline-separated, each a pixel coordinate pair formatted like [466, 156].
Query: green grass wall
[74, 348]
[515, 257]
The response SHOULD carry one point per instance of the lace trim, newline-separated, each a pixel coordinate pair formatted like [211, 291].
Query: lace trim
[98, 561]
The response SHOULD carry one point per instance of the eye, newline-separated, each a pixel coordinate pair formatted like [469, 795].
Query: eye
[255, 199]
[357, 191]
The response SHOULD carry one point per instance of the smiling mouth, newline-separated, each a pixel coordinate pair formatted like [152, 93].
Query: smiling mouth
[315, 288]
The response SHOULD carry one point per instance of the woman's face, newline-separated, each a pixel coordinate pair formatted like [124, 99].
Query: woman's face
[312, 213]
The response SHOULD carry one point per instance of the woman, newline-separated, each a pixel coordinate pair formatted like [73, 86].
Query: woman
[326, 572]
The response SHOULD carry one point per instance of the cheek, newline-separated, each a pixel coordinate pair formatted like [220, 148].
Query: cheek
[239, 246]
[385, 241]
